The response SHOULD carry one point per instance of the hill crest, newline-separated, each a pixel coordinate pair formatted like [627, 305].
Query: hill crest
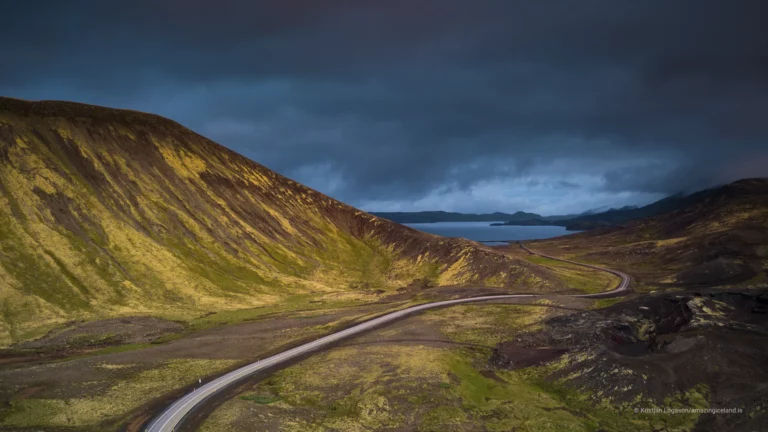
[112, 212]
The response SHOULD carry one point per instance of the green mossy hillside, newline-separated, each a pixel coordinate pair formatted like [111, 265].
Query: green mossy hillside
[109, 212]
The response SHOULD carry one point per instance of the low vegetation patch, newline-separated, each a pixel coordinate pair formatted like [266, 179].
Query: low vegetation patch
[330, 394]
[107, 409]
[485, 324]
[262, 399]
[578, 277]
[439, 388]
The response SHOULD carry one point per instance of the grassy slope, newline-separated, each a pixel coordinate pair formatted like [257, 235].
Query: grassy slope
[111, 213]
[582, 278]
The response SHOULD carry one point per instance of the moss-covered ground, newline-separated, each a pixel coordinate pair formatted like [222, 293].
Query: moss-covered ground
[393, 380]
[577, 277]
[101, 410]
[104, 389]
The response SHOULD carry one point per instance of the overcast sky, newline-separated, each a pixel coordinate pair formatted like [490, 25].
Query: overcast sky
[474, 106]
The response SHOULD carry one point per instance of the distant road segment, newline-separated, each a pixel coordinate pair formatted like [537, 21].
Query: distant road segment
[623, 286]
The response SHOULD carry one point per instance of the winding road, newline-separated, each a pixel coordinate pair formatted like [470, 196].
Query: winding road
[173, 416]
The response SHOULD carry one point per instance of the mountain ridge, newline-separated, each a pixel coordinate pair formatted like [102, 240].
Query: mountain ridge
[444, 216]
[613, 216]
[720, 236]
[108, 212]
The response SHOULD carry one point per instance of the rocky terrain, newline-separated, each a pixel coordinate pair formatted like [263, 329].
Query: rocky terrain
[707, 349]
[549, 364]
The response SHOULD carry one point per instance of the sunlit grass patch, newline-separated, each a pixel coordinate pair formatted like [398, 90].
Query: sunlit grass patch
[486, 324]
[582, 278]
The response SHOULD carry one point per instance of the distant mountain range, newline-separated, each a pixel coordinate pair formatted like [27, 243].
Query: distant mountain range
[712, 237]
[603, 209]
[441, 216]
[613, 217]
[594, 218]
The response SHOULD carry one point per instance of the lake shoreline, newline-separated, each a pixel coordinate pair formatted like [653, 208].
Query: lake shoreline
[484, 232]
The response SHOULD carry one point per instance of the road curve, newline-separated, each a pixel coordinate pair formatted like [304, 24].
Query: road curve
[623, 286]
[173, 416]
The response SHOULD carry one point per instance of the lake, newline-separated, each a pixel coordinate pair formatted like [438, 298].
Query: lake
[483, 232]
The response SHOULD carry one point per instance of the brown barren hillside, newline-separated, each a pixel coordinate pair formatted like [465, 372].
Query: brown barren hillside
[720, 240]
[107, 212]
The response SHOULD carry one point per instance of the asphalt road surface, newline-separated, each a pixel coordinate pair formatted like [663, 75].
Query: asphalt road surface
[618, 290]
[173, 416]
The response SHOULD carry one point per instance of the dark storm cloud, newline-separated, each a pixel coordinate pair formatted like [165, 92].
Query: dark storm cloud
[444, 103]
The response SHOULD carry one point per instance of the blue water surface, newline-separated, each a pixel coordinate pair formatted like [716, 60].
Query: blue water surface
[490, 235]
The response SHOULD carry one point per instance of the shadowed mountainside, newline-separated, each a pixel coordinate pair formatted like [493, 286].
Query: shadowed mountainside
[614, 217]
[720, 239]
[107, 212]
